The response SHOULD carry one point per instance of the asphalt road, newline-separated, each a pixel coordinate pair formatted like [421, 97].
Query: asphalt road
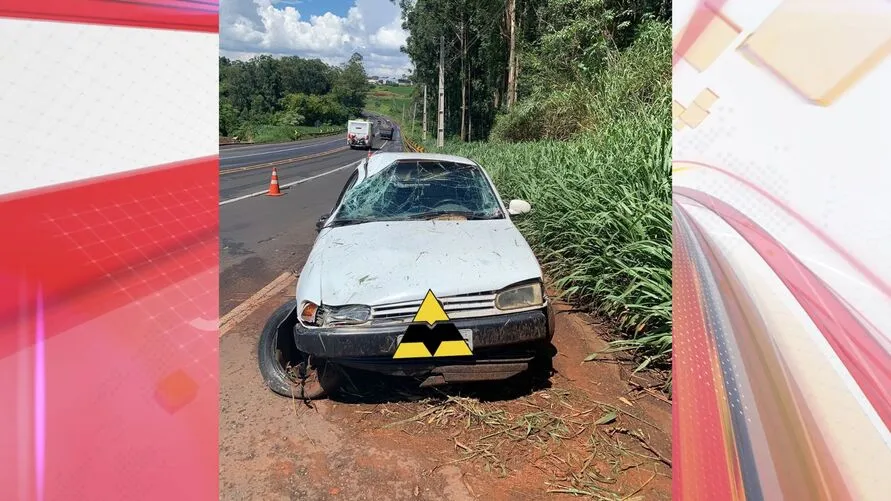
[262, 237]
[240, 156]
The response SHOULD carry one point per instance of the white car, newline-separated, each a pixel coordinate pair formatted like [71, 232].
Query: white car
[406, 224]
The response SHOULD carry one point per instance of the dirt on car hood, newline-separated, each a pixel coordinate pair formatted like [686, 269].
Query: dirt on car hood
[386, 262]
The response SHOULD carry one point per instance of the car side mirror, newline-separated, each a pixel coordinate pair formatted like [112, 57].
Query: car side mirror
[321, 222]
[518, 207]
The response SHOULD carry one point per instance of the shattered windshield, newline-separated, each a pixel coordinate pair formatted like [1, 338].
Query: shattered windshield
[420, 189]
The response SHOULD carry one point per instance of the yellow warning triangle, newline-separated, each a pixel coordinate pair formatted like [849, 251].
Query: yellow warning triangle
[412, 350]
[453, 349]
[430, 311]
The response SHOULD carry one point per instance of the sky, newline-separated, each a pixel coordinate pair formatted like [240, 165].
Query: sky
[330, 30]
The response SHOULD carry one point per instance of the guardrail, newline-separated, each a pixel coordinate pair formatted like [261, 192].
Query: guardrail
[333, 131]
[412, 146]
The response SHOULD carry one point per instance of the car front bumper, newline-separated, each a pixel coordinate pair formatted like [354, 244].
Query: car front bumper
[503, 345]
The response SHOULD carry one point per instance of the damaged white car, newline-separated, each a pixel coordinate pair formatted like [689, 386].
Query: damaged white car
[406, 224]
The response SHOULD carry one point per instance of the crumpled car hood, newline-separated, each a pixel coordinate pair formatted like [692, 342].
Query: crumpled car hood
[387, 262]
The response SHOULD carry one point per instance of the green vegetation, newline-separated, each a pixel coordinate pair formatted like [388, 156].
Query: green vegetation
[601, 224]
[586, 142]
[401, 91]
[270, 100]
[390, 100]
[284, 133]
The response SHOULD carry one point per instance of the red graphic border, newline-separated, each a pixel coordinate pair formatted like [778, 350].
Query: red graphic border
[197, 15]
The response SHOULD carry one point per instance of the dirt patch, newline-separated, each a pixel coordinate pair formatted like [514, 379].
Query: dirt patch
[582, 430]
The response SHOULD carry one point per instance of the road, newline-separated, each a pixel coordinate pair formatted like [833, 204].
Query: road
[367, 442]
[240, 156]
[260, 236]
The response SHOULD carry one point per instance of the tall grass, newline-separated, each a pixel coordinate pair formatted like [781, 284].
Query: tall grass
[600, 224]
[601, 197]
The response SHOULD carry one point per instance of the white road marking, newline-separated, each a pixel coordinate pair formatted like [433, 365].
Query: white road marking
[231, 320]
[294, 148]
[300, 181]
[239, 313]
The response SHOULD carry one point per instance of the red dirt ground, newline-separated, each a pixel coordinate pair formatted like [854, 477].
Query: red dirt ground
[519, 440]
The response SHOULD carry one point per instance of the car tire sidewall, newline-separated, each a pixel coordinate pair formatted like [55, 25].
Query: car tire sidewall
[552, 321]
[275, 376]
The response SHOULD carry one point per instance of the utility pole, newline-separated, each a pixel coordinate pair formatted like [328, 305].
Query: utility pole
[440, 130]
[425, 112]
[414, 117]
[403, 112]
[519, 29]
[469, 115]
[512, 58]
[463, 83]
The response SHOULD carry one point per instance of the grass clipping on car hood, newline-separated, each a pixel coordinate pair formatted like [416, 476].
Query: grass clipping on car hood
[582, 445]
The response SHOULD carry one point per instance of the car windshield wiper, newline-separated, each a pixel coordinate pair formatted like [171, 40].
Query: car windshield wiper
[470, 215]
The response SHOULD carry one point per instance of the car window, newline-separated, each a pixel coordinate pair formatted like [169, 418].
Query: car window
[349, 184]
[414, 189]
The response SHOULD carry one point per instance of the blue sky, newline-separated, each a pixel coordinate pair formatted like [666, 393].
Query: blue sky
[319, 7]
[330, 30]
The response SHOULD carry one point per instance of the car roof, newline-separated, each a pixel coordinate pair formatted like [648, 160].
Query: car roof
[382, 160]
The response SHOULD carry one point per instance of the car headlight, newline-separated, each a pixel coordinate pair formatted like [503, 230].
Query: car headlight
[521, 296]
[332, 316]
[309, 312]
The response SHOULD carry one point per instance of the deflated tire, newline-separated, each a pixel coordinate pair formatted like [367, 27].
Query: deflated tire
[286, 370]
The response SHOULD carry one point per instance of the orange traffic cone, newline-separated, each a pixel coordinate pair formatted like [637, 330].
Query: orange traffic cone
[273, 185]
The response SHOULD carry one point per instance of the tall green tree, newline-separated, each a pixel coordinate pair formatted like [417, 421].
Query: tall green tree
[559, 43]
[351, 85]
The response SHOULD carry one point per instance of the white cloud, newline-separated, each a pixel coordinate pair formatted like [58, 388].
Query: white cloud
[390, 37]
[371, 27]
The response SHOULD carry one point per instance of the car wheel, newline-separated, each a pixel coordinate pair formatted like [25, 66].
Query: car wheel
[286, 370]
[552, 320]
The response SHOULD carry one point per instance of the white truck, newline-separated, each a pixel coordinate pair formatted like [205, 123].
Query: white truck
[360, 134]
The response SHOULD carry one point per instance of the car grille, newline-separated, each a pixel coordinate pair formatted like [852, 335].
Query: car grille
[462, 306]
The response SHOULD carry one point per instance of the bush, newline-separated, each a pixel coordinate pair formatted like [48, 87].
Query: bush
[274, 134]
[634, 82]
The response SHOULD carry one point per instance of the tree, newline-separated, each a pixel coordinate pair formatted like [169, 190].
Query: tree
[556, 43]
[289, 91]
[228, 118]
[315, 109]
[351, 85]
